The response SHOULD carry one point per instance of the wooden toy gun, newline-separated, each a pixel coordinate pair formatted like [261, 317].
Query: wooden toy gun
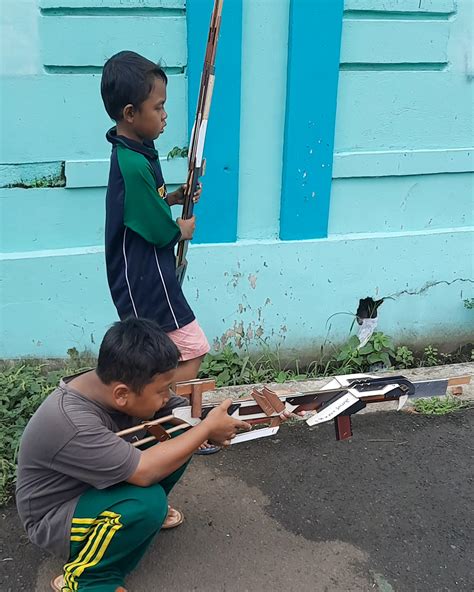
[198, 136]
[338, 400]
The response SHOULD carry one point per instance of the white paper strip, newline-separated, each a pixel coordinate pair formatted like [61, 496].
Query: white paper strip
[210, 90]
[333, 410]
[254, 434]
[201, 140]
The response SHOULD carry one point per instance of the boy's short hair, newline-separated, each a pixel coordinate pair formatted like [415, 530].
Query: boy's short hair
[134, 351]
[127, 79]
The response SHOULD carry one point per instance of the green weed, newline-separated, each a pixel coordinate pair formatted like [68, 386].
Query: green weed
[439, 405]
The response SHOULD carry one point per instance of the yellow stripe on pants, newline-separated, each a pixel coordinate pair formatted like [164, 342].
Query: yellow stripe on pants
[103, 530]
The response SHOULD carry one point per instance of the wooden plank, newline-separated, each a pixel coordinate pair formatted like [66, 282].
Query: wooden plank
[119, 4]
[416, 6]
[400, 110]
[401, 204]
[94, 173]
[64, 43]
[394, 42]
[459, 380]
[72, 102]
[37, 219]
[402, 163]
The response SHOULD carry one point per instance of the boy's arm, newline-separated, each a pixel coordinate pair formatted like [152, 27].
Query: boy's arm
[97, 456]
[157, 462]
[145, 212]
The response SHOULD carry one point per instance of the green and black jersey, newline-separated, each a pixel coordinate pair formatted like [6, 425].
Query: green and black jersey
[140, 236]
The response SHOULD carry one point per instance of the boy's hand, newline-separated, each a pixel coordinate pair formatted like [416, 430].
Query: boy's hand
[187, 227]
[176, 198]
[222, 427]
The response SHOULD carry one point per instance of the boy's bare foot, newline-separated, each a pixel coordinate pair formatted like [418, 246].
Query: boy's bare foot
[174, 518]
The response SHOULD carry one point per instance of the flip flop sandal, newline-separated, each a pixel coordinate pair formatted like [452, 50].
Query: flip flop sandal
[173, 521]
[57, 583]
[210, 450]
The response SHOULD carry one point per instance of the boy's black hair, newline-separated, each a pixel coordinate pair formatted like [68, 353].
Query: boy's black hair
[133, 351]
[127, 79]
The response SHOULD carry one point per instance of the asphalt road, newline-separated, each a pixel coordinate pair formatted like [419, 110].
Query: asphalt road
[389, 510]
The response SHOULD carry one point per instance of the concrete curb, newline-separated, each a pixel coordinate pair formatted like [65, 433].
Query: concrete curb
[447, 371]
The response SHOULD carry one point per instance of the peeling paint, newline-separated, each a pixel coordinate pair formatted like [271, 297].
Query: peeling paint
[253, 281]
[236, 277]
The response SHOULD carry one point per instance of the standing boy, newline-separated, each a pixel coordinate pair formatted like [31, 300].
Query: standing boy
[140, 233]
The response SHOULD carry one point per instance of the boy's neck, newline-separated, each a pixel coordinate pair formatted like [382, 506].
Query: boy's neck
[90, 385]
[124, 130]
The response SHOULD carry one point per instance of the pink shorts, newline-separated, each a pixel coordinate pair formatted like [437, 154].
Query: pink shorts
[190, 340]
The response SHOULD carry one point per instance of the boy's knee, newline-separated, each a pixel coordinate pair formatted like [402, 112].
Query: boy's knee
[151, 505]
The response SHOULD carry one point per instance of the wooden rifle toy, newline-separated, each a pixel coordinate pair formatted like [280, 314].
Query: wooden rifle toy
[338, 400]
[198, 136]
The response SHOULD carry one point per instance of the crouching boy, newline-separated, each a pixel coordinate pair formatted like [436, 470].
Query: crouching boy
[87, 495]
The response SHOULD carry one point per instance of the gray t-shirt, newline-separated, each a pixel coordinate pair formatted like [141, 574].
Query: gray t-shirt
[67, 447]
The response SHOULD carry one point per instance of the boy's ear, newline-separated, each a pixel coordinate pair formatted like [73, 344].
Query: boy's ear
[128, 113]
[121, 394]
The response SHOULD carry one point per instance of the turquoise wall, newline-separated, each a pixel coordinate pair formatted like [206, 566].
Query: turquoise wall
[391, 214]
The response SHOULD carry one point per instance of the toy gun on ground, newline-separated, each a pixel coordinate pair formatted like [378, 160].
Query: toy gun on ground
[198, 136]
[338, 400]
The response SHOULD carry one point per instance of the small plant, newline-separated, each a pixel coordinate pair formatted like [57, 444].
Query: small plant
[430, 356]
[404, 357]
[44, 182]
[177, 152]
[378, 351]
[23, 387]
[58, 180]
[439, 405]
[226, 367]
[469, 303]
[80, 360]
[22, 390]
[350, 356]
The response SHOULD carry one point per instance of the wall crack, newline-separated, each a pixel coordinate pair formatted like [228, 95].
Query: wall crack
[428, 286]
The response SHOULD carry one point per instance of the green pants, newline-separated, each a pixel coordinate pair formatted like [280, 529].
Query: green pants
[111, 530]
